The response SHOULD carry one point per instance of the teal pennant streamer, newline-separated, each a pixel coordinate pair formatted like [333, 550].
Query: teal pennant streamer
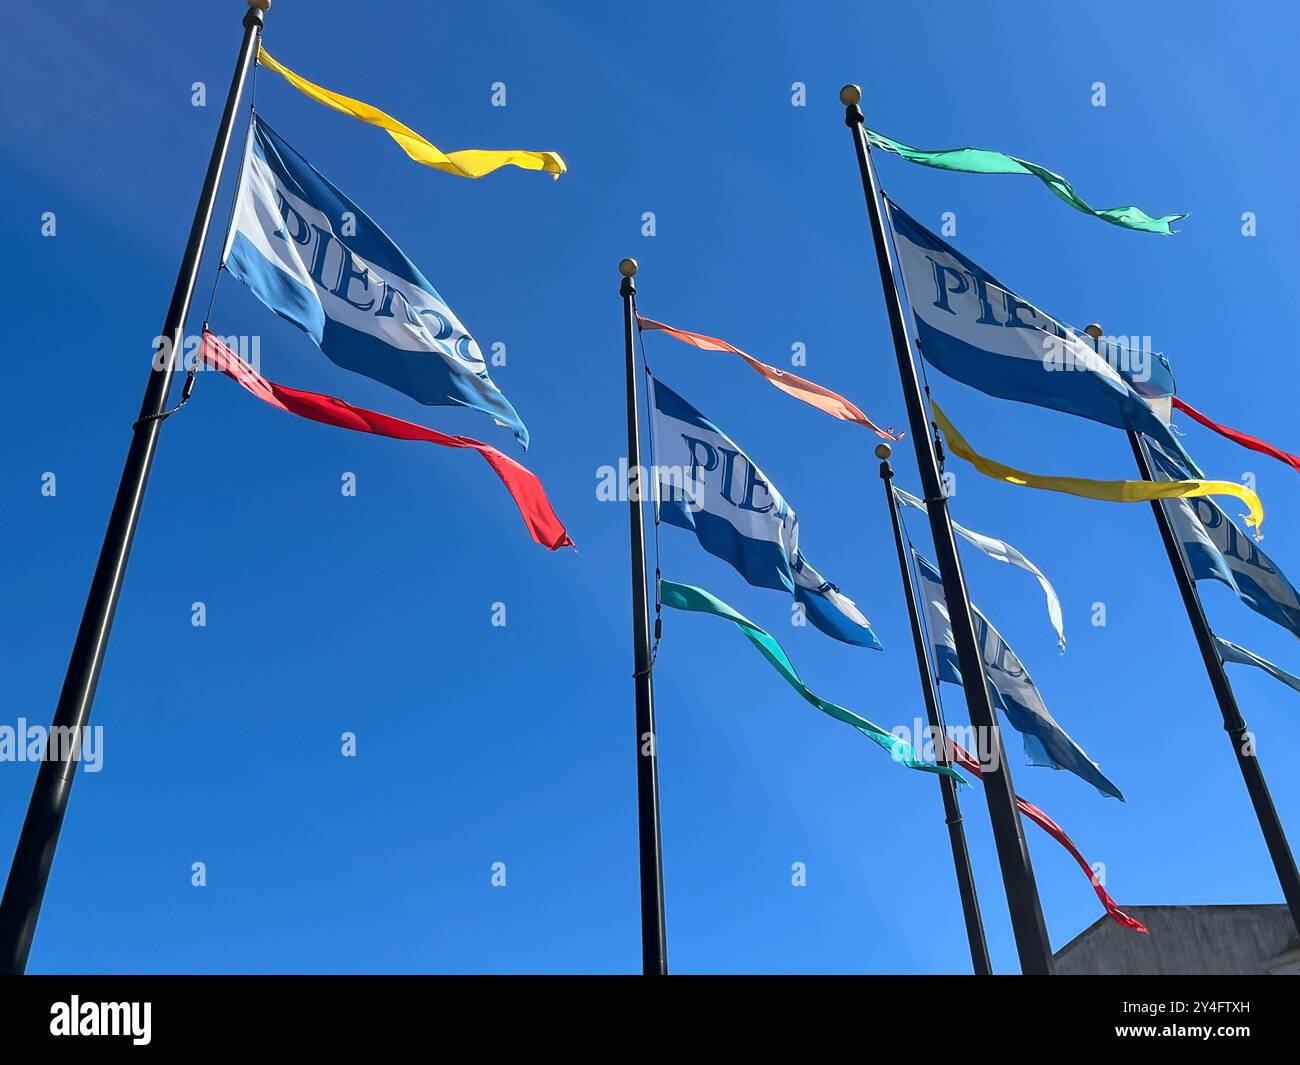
[688, 597]
[984, 161]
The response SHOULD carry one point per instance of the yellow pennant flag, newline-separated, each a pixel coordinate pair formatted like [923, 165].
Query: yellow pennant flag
[1109, 491]
[472, 163]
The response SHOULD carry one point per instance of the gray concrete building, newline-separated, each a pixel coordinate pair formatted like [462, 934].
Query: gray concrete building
[1187, 940]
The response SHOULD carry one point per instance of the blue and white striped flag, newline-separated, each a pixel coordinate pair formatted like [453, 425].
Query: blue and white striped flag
[976, 330]
[1045, 742]
[705, 483]
[316, 259]
[1217, 550]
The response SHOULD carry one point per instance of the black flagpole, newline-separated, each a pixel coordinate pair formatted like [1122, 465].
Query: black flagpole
[970, 906]
[34, 855]
[1233, 723]
[1032, 942]
[654, 942]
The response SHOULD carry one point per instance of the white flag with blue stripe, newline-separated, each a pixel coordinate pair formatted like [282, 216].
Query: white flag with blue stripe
[1217, 550]
[1016, 695]
[316, 259]
[706, 484]
[976, 330]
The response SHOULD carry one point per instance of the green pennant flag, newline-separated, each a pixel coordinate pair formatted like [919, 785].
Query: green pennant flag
[688, 597]
[983, 161]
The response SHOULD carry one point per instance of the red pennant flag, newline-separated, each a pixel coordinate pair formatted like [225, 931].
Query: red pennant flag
[1238, 437]
[521, 483]
[967, 761]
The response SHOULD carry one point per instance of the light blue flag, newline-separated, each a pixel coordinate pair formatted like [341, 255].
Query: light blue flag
[1217, 550]
[705, 483]
[1045, 742]
[1231, 652]
[976, 330]
[317, 260]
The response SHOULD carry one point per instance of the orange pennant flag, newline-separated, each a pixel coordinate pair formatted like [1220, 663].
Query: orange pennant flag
[809, 392]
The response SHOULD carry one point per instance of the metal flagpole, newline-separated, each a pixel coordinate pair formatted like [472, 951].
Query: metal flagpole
[34, 855]
[654, 943]
[1233, 723]
[1032, 942]
[970, 907]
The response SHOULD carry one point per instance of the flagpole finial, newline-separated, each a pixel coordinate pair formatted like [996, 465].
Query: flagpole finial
[627, 268]
[1093, 330]
[883, 451]
[850, 95]
[261, 5]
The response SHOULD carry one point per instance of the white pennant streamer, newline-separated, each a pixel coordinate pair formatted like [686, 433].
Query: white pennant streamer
[1004, 552]
[1232, 652]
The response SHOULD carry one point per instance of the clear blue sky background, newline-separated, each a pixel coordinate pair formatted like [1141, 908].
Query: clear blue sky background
[372, 614]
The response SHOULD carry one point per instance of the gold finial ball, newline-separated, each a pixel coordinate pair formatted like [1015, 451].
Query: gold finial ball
[1093, 331]
[850, 95]
[261, 5]
[627, 268]
[883, 451]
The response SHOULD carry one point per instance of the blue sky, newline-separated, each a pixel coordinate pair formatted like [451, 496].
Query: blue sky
[480, 744]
